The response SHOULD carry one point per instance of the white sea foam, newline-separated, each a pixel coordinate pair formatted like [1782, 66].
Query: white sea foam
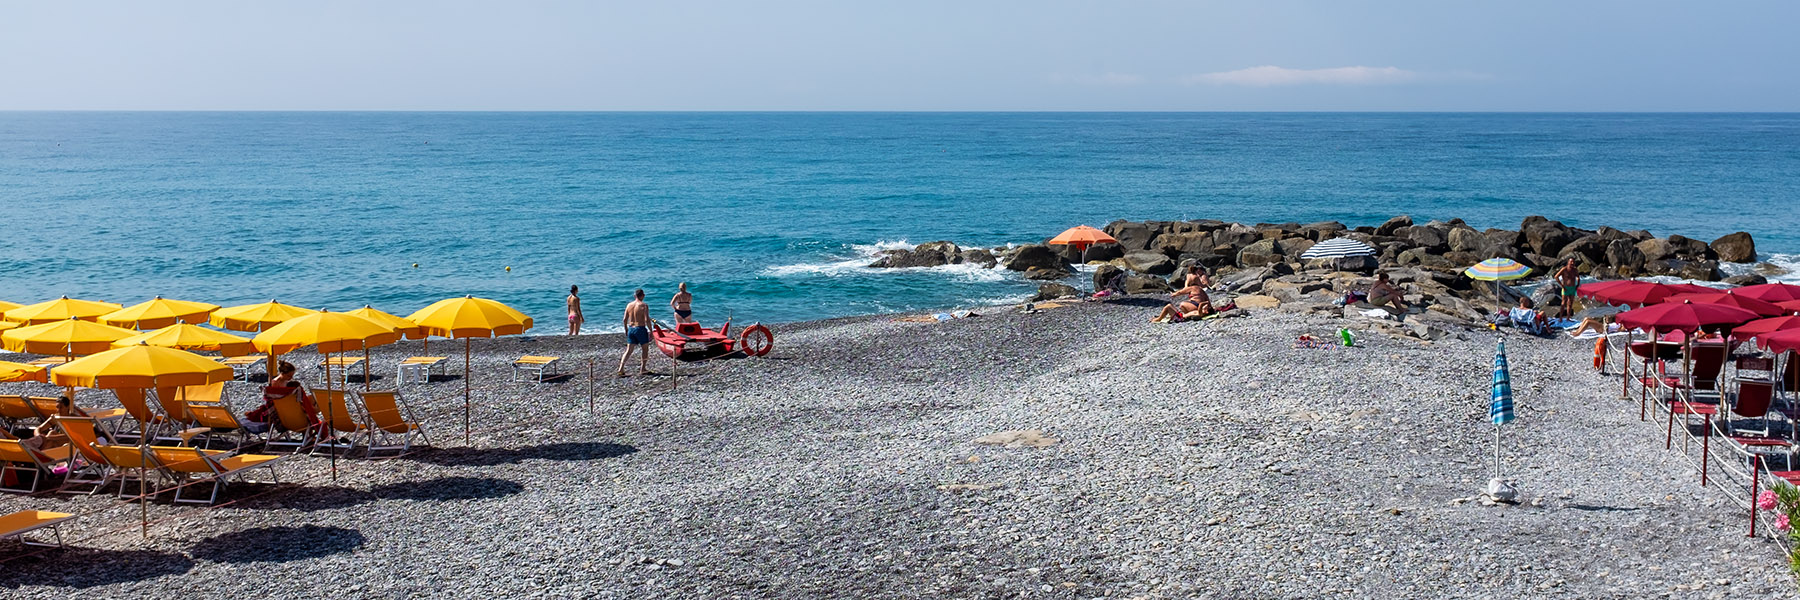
[863, 254]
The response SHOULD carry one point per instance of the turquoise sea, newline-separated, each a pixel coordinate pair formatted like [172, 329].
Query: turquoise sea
[770, 215]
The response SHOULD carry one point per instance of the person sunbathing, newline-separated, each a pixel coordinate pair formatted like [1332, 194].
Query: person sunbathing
[47, 435]
[1197, 305]
[1383, 293]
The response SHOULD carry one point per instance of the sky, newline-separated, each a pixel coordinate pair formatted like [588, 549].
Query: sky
[923, 55]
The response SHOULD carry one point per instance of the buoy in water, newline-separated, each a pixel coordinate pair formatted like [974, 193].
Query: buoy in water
[509, 269]
[415, 265]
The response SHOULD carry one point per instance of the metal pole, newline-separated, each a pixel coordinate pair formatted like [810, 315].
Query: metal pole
[1496, 452]
[590, 387]
[143, 500]
[330, 430]
[1755, 482]
[466, 391]
[365, 365]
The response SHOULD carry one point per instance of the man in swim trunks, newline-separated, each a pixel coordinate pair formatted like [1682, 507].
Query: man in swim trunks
[573, 303]
[1567, 278]
[637, 334]
[683, 304]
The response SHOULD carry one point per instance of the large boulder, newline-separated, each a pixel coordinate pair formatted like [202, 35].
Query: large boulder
[1131, 235]
[1701, 270]
[1388, 227]
[1292, 248]
[1234, 238]
[980, 256]
[1589, 249]
[1544, 236]
[1504, 238]
[1067, 252]
[1146, 284]
[1051, 291]
[1429, 238]
[1656, 249]
[1464, 239]
[1746, 279]
[1177, 244]
[1423, 258]
[1153, 263]
[1357, 264]
[1624, 257]
[933, 254]
[1034, 256]
[1690, 248]
[1102, 253]
[1261, 253]
[1256, 301]
[1050, 274]
[1322, 230]
[1736, 247]
[1103, 274]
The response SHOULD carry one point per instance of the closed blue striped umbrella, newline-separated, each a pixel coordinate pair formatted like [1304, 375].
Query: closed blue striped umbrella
[1501, 409]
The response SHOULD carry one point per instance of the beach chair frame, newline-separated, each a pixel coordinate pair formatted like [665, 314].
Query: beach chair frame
[127, 462]
[541, 366]
[218, 421]
[179, 464]
[291, 420]
[391, 424]
[17, 458]
[421, 368]
[32, 520]
[340, 418]
[83, 434]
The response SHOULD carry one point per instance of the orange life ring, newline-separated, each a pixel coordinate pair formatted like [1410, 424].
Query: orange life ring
[756, 340]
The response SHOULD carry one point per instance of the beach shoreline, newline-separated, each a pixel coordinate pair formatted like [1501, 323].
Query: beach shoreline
[1210, 459]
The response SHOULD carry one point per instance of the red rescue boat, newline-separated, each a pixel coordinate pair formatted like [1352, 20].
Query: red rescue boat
[691, 341]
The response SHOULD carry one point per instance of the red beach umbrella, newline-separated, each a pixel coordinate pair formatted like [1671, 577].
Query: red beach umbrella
[1684, 316]
[1589, 290]
[1759, 307]
[1763, 327]
[1690, 288]
[1633, 293]
[1771, 292]
[1781, 341]
[1792, 306]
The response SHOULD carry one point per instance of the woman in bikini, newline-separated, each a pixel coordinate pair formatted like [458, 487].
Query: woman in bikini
[1197, 305]
[682, 304]
[574, 305]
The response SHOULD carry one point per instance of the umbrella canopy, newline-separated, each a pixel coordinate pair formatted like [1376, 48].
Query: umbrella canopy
[404, 327]
[256, 317]
[183, 336]
[159, 312]
[60, 309]
[12, 371]
[331, 332]
[5, 325]
[1629, 292]
[1692, 288]
[1337, 248]
[6, 306]
[1792, 306]
[1780, 341]
[1082, 236]
[70, 336]
[469, 317]
[140, 367]
[1497, 269]
[1762, 327]
[1767, 292]
[1728, 299]
[1501, 409]
[1684, 316]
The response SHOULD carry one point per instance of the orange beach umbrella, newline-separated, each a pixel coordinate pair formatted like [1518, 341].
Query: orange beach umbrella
[1082, 236]
[402, 326]
[60, 309]
[159, 312]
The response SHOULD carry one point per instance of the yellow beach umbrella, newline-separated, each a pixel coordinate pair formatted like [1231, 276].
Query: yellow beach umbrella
[402, 326]
[60, 309]
[159, 312]
[256, 317]
[329, 331]
[183, 336]
[469, 317]
[140, 366]
[6, 306]
[67, 337]
[5, 325]
[12, 371]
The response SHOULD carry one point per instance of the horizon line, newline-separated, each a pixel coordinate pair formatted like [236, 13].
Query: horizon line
[883, 111]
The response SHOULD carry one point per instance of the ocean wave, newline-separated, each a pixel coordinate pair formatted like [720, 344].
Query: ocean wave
[863, 254]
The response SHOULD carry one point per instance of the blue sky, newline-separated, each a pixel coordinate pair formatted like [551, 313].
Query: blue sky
[915, 55]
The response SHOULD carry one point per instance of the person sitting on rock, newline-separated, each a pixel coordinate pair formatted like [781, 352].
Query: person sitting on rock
[1197, 305]
[1383, 293]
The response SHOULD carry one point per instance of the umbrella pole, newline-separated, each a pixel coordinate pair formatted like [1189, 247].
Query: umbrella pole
[1497, 452]
[466, 342]
[143, 500]
[365, 366]
[329, 417]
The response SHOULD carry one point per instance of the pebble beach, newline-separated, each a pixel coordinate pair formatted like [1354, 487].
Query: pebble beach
[1075, 452]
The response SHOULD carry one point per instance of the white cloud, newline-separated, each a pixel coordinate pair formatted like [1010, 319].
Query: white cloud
[1103, 79]
[1270, 75]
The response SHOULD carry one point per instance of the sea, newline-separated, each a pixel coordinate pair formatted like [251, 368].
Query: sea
[773, 217]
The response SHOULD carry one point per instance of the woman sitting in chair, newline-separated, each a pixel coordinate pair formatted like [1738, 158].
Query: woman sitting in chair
[260, 419]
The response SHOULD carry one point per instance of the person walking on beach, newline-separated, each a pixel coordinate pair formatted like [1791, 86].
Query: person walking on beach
[682, 304]
[573, 303]
[637, 334]
[1567, 278]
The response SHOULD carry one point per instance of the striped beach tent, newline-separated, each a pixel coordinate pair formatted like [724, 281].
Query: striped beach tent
[1338, 248]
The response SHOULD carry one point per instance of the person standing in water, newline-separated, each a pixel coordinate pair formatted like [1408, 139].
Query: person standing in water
[637, 334]
[573, 302]
[683, 304]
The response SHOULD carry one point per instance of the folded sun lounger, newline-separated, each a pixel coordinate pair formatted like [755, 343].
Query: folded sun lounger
[542, 366]
[420, 368]
[16, 525]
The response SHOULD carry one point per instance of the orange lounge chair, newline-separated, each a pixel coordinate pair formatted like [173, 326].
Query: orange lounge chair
[15, 410]
[293, 417]
[16, 525]
[542, 366]
[185, 466]
[17, 460]
[213, 419]
[127, 463]
[93, 468]
[335, 406]
[391, 424]
[419, 369]
[137, 405]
